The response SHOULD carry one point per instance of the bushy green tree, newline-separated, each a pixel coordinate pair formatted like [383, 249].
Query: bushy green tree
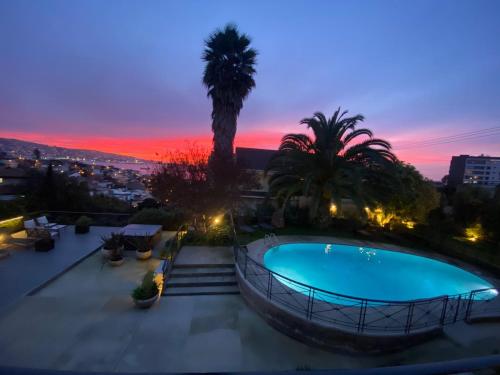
[411, 196]
[491, 217]
[341, 161]
[469, 205]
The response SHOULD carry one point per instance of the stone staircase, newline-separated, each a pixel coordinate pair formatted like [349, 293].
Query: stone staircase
[201, 279]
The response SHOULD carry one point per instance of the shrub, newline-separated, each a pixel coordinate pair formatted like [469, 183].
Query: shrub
[113, 241]
[297, 216]
[219, 235]
[143, 244]
[348, 225]
[148, 203]
[265, 212]
[147, 289]
[83, 221]
[169, 220]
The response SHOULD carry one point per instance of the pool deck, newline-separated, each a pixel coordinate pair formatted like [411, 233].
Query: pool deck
[85, 321]
[334, 318]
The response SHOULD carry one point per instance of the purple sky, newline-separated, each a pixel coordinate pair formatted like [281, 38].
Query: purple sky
[125, 76]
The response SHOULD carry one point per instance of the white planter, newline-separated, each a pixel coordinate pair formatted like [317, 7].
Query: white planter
[106, 252]
[143, 255]
[145, 303]
[116, 263]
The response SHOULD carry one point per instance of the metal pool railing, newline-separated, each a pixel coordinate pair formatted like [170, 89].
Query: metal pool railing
[365, 315]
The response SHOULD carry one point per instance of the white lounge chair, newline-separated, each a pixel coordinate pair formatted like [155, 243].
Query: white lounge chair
[44, 222]
[30, 224]
[34, 231]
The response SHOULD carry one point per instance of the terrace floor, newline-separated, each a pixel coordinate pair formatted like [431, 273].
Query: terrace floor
[25, 269]
[85, 321]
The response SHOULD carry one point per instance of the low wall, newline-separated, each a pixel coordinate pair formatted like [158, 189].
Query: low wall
[326, 336]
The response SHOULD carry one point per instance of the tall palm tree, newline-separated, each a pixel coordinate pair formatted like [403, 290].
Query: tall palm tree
[341, 161]
[228, 76]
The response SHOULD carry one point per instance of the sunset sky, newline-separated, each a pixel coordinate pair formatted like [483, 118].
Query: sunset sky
[125, 76]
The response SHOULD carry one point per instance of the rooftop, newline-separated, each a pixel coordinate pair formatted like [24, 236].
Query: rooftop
[254, 158]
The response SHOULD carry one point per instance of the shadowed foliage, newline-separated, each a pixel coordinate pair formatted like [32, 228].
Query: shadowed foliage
[342, 161]
[228, 76]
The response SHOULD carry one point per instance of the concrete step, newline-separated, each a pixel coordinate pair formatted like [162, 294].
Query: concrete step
[215, 268]
[200, 291]
[211, 265]
[194, 282]
[202, 272]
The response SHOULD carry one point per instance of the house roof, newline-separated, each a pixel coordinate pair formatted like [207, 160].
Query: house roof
[253, 158]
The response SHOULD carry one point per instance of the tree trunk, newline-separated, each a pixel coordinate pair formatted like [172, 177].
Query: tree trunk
[224, 128]
[222, 167]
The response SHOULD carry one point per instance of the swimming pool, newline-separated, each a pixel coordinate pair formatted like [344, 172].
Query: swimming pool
[370, 273]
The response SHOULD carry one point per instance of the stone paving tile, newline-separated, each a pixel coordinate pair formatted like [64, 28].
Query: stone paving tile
[205, 255]
[26, 269]
[85, 321]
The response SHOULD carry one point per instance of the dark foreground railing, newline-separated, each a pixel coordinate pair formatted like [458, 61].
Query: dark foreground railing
[173, 248]
[363, 315]
[113, 219]
[434, 368]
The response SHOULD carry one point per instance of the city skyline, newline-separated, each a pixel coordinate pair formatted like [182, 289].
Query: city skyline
[124, 77]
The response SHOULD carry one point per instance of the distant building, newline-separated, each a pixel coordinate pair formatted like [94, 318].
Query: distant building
[256, 161]
[477, 170]
[7, 161]
[11, 180]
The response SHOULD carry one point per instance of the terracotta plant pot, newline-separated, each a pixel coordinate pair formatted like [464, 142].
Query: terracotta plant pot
[145, 303]
[143, 255]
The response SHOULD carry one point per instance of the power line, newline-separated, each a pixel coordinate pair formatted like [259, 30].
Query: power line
[452, 136]
[451, 139]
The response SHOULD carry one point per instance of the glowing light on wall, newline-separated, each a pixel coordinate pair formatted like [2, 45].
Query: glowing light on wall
[474, 233]
[333, 209]
[409, 224]
[379, 216]
[10, 221]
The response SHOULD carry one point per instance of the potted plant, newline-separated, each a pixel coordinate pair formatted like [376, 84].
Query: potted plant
[82, 225]
[110, 243]
[116, 257]
[143, 247]
[146, 294]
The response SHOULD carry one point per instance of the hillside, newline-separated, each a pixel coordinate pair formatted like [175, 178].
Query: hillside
[16, 148]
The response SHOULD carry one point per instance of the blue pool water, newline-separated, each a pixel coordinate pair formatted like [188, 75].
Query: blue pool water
[370, 273]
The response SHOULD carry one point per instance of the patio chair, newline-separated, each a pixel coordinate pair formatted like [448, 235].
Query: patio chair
[36, 232]
[44, 222]
[30, 224]
[39, 232]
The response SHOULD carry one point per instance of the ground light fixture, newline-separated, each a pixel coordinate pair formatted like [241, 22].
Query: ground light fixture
[3, 222]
